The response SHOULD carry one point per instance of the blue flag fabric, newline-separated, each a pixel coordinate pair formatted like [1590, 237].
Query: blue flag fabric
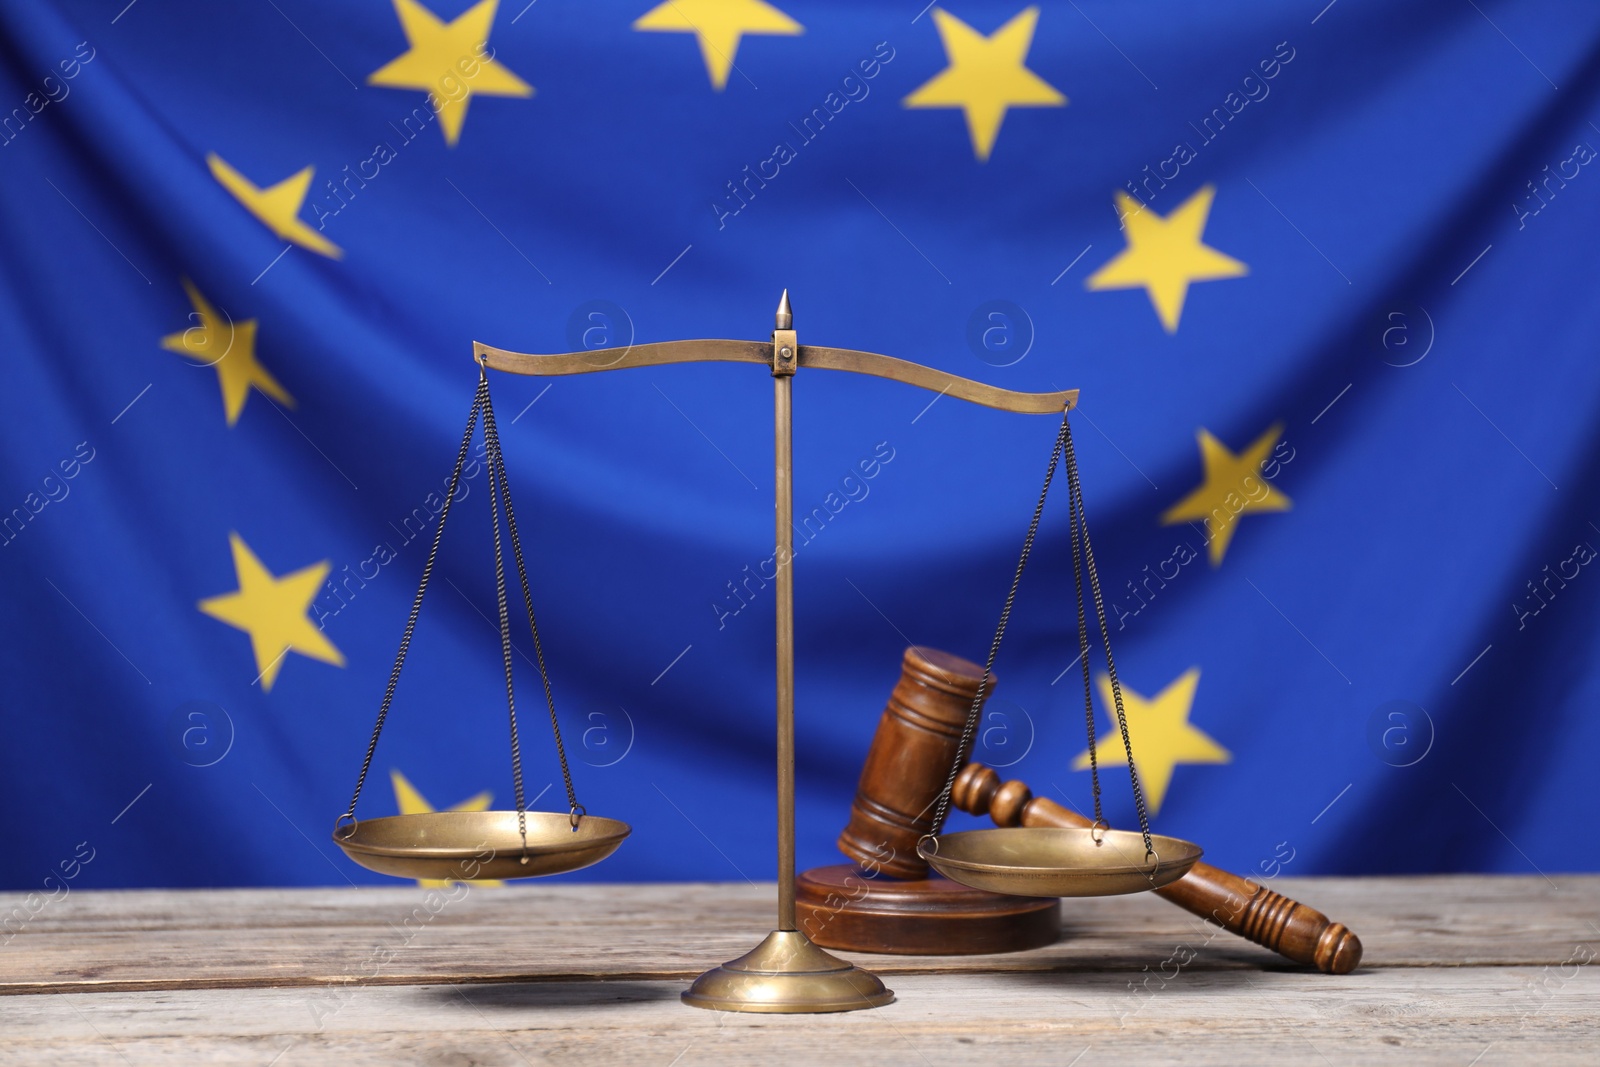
[1323, 273]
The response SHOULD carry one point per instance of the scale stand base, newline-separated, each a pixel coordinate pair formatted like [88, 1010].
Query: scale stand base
[786, 973]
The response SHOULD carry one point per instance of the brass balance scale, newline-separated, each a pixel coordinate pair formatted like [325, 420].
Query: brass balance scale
[786, 972]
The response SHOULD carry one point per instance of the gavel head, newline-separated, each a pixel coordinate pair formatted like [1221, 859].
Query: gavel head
[910, 758]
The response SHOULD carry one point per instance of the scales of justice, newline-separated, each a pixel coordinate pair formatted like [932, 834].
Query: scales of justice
[786, 972]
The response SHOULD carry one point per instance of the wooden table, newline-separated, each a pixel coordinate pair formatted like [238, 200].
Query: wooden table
[1465, 970]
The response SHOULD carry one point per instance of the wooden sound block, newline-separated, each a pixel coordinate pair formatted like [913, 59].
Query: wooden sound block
[844, 907]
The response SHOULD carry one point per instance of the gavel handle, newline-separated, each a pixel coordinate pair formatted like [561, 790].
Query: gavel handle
[1237, 904]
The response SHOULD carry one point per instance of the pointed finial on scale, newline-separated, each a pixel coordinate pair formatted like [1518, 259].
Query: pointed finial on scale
[784, 320]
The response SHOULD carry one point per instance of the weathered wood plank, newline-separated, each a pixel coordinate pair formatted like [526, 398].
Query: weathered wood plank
[161, 939]
[1413, 1016]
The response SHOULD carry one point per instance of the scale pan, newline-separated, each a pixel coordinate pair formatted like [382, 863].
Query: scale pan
[1038, 861]
[461, 846]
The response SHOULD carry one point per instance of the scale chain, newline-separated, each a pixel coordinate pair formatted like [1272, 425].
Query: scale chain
[1083, 654]
[500, 600]
[965, 748]
[499, 492]
[416, 608]
[497, 461]
[1082, 559]
[1075, 490]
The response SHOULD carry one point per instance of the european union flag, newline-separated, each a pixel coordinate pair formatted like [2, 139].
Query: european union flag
[1324, 273]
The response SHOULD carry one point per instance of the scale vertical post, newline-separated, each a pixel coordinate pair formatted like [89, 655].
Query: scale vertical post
[786, 973]
[785, 346]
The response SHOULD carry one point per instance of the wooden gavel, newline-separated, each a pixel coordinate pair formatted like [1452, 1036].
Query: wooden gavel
[917, 740]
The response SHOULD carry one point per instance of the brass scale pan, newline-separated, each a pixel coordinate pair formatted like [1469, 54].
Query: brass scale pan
[463, 846]
[1021, 861]
[1040, 861]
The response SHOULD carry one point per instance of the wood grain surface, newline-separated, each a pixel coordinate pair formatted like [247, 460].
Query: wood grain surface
[1456, 968]
[1391, 1016]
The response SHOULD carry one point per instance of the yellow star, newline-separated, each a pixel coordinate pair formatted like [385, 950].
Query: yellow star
[412, 802]
[1233, 486]
[986, 76]
[450, 61]
[273, 612]
[1161, 733]
[718, 24]
[1164, 255]
[277, 206]
[230, 348]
